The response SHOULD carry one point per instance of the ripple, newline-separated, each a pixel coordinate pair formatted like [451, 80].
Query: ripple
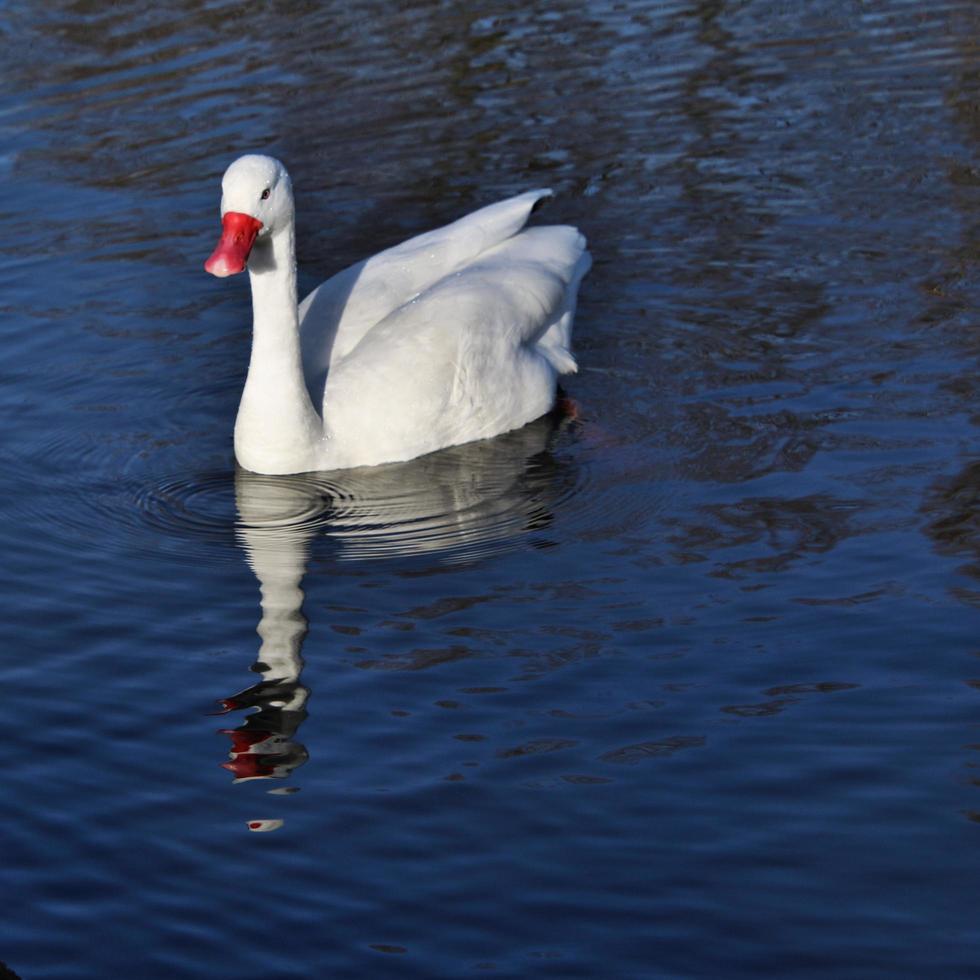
[463, 504]
[200, 507]
[460, 504]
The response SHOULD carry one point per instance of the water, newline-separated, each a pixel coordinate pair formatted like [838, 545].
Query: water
[685, 687]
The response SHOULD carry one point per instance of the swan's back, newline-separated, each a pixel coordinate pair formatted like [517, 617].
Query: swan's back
[337, 314]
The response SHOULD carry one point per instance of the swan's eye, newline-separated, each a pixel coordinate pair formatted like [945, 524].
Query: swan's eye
[265, 194]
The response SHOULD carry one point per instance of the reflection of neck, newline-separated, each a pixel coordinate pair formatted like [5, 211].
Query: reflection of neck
[276, 544]
[278, 558]
[277, 428]
[282, 628]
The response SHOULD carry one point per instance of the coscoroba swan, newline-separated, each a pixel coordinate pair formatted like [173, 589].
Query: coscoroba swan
[455, 335]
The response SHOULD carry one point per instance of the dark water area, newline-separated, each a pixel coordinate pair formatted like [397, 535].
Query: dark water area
[686, 686]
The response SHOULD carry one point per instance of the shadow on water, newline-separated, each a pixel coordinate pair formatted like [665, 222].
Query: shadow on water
[458, 505]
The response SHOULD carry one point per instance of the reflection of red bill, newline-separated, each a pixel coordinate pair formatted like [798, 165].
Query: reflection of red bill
[238, 233]
[244, 741]
[227, 704]
[248, 766]
[262, 826]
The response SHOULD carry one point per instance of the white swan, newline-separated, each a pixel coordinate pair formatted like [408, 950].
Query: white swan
[456, 335]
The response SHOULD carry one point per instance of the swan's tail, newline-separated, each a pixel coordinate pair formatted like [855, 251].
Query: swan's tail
[556, 342]
[560, 251]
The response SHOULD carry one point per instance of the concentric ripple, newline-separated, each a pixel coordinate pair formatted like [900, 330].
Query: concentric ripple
[197, 507]
[459, 504]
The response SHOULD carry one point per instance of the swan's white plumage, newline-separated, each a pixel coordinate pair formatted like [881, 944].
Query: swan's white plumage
[455, 335]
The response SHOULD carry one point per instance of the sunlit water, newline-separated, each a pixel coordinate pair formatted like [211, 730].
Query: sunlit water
[684, 686]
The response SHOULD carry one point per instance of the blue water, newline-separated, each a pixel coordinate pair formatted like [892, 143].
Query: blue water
[686, 686]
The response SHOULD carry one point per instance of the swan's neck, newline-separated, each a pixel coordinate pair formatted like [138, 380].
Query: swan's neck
[278, 430]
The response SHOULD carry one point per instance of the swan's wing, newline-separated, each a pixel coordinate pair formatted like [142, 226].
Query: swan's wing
[338, 313]
[474, 355]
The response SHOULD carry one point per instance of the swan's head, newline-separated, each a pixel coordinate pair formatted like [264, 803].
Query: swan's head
[256, 201]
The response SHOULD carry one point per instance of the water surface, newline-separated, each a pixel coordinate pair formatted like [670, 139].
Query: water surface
[686, 686]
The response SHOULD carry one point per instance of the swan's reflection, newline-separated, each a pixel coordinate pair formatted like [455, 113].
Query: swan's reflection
[276, 546]
[454, 505]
